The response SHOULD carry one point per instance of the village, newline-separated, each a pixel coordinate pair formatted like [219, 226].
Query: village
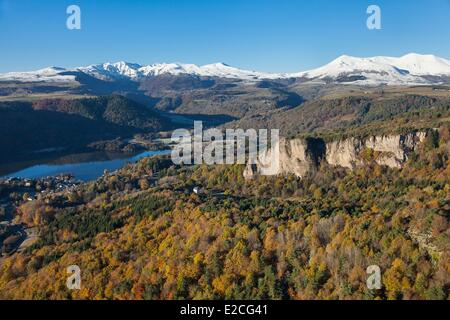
[14, 235]
[34, 187]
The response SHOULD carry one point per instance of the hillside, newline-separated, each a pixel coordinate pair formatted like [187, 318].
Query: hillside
[192, 95]
[354, 115]
[27, 127]
[269, 238]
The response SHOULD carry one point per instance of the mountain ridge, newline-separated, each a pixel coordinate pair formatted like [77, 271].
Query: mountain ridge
[410, 69]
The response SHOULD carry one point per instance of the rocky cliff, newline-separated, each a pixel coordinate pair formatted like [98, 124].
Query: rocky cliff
[301, 156]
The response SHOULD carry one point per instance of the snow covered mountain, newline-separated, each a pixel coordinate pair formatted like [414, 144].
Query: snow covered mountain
[407, 70]
[135, 71]
[50, 74]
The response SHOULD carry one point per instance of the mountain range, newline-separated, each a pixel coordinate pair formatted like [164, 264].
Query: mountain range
[410, 69]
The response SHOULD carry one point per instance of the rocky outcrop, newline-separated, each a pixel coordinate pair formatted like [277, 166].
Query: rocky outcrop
[426, 242]
[301, 156]
[297, 156]
[389, 150]
[343, 153]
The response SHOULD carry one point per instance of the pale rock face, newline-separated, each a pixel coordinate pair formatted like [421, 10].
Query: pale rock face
[393, 153]
[295, 156]
[299, 156]
[393, 149]
[343, 153]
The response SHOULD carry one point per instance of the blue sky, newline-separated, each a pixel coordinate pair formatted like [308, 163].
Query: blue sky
[265, 35]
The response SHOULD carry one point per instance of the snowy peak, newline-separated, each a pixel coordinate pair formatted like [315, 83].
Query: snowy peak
[109, 70]
[225, 71]
[409, 69]
[414, 63]
[136, 71]
[422, 64]
[50, 74]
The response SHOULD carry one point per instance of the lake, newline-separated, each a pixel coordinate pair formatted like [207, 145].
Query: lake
[83, 166]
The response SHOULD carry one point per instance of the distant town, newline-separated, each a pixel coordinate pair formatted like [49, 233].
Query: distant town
[14, 234]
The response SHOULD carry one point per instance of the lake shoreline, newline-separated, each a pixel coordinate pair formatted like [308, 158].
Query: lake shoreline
[85, 166]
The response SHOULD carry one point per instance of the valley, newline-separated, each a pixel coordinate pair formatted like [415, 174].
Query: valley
[363, 179]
